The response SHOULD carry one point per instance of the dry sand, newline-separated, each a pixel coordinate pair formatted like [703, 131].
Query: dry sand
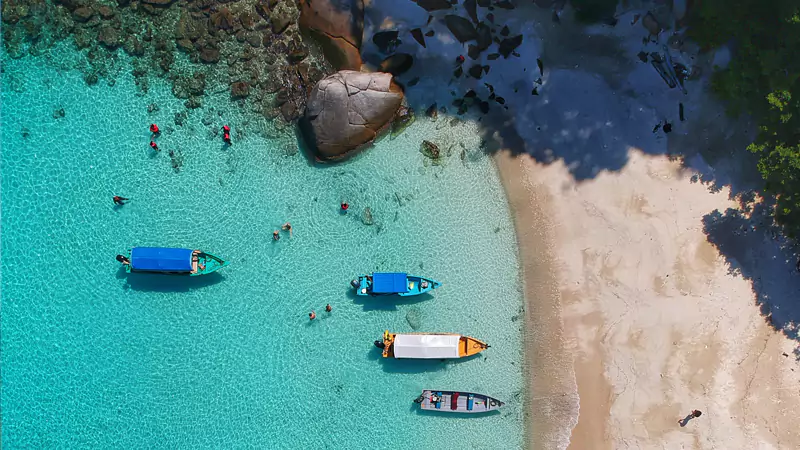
[655, 326]
[635, 318]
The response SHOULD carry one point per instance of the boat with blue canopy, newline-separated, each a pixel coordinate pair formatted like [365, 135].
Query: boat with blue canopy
[393, 283]
[171, 261]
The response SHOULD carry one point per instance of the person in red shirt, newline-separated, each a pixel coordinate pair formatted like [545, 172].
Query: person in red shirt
[154, 146]
[227, 134]
[154, 129]
[345, 206]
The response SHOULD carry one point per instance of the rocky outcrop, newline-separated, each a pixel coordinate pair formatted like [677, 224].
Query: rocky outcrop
[347, 110]
[338, 26]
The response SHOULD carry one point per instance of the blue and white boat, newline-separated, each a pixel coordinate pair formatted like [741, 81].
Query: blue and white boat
[457, 402]
[171, 261]
[393, 283]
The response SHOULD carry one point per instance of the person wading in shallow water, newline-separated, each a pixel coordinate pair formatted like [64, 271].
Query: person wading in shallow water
[312, 315]
[328, 308]
[227, 134]
[120, 200]
[154, 146]
[345, 206]
[154, 129]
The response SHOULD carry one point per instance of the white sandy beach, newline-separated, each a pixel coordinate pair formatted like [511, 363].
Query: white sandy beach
[648, 318]
[652, 320]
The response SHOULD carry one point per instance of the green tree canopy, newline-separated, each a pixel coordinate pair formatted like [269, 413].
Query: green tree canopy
[763, 80]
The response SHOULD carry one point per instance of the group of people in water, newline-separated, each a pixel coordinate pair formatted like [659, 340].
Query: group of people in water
[312, 315]
[156, 132]
[226, 137]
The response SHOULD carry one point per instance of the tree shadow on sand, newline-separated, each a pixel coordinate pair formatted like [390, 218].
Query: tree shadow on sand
[753, 248]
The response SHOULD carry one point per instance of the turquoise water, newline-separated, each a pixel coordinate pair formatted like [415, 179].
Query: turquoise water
[94, 358]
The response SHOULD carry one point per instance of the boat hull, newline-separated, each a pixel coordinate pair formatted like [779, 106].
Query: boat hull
[415, 286]
[457, 402]
[202, 264]
[430, 345]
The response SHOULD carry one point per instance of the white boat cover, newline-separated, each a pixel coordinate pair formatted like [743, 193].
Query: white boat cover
[434, 346]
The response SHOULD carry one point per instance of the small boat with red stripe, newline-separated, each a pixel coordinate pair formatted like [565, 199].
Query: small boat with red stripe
[457, 402]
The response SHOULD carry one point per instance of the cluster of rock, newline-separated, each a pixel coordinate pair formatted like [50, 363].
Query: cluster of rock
[254, 48]
[346, 111]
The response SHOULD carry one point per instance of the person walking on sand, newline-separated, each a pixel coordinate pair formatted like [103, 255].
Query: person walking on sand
[120, 200]
[287, 227]
[694, 414]
[312, 315]
[328, 308]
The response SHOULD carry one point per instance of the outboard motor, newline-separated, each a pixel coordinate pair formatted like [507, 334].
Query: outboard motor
[419, 399]
[380, 344]
[355, 284]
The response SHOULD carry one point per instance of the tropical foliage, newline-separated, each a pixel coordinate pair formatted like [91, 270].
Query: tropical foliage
[763, 80]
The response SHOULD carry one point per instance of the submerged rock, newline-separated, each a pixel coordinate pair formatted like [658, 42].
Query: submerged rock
[109, 37]
[402, 119]
[222, 19]
[508, 45]
[347, 110]
[397, 64]
[430, 150]
[414, 318]
[386, 41]
[434, 5]
[462, 28]
[240, 89]
[366, 217]
[416, 33]
[432, 112]
[280, 21]
[83, 14]
[651, 24]
[337, 25]
[209, 55]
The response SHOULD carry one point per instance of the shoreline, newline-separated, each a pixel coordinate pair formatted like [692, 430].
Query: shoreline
[633, 317]
[550, 393]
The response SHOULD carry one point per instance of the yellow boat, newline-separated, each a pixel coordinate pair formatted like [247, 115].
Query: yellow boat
[429, 345]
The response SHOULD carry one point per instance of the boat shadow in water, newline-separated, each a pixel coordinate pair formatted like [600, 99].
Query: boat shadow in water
[452, 415]
[167, 283]
[385, 302]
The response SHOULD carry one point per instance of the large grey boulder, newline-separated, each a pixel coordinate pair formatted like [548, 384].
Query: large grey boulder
[347, 110]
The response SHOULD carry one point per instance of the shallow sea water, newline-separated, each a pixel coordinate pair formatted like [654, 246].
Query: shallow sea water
[95, 358]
